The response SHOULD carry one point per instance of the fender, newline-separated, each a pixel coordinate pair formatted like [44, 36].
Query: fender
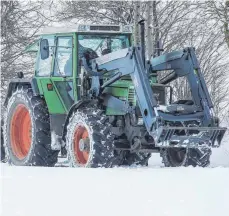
[14, 83]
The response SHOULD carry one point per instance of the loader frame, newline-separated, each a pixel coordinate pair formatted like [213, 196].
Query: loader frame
[183, 63]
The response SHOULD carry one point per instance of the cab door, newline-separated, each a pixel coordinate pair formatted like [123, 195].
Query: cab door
[57, 79]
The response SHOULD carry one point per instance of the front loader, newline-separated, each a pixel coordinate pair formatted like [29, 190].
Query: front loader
[96, 99]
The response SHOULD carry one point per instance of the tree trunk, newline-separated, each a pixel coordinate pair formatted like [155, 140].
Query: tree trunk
[136, 20]
[226, 25]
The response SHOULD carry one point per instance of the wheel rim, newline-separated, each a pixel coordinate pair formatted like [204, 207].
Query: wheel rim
[81, 156]
[20, 133]
[177, 155]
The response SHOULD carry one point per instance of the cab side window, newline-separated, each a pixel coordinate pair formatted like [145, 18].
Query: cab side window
[63, 58]
[44, 67]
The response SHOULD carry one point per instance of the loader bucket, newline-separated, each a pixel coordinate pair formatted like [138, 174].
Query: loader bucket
[192, 137]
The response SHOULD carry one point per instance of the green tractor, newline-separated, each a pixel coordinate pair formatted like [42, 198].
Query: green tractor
[96, 100]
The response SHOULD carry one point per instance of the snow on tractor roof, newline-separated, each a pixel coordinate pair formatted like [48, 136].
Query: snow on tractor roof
[87, 28]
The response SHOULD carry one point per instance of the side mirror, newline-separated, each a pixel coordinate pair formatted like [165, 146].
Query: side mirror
[44, 49]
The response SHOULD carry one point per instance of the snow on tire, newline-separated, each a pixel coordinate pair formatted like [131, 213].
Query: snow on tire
[89, 140]
[27, 139]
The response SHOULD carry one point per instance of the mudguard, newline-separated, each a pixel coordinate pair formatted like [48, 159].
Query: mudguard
[14, 83]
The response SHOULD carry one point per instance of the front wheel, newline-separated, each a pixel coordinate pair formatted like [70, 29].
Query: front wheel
[175, 157]
[89, 140]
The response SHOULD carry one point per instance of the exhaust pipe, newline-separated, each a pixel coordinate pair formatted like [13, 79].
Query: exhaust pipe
[142, 39]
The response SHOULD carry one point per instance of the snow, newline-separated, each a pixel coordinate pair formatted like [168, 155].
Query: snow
[133, 191]
[162, 108]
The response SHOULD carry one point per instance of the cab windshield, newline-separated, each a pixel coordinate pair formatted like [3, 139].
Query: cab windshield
[98, 45]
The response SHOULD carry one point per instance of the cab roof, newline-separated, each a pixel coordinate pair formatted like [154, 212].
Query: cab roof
[87, 29]
[84, 28]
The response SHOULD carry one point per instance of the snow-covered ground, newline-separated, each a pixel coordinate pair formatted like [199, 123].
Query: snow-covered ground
[153, 191]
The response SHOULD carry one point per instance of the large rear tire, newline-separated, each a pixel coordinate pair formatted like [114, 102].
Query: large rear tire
[3, 154]
[27, 138]
[176, 157]
[89, 140]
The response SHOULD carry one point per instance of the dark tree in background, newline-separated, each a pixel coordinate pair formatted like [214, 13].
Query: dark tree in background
[20, 21]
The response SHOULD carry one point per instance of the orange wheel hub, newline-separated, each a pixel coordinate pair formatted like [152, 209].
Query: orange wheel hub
[20, 132]
[80, 134]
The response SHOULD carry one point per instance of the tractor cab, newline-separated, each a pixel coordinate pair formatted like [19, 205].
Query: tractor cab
[59, 58]
[59, 64]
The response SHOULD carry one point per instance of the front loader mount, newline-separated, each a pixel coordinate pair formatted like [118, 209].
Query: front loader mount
[160, 125]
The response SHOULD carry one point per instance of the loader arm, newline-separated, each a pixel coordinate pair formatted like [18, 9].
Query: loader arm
[129, 62]
[184, 63]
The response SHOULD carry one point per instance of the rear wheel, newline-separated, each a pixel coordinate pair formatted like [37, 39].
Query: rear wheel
[89, 140]
[3, 154]
[27, 136]
[175, 157]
